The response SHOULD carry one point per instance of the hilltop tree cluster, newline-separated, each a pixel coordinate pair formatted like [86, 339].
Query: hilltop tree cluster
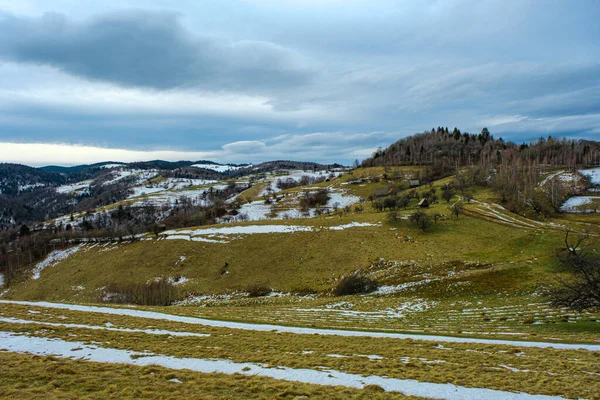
[440, 147]
[513, 171]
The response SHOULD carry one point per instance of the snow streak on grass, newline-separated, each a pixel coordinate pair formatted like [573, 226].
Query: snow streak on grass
[298, 330]
[53, 258]
[66, 349]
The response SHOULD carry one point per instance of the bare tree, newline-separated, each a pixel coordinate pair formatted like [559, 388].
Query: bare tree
[458, 208]
[581, 290]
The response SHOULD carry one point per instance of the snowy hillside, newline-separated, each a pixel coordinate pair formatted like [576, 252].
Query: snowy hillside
[218, 167]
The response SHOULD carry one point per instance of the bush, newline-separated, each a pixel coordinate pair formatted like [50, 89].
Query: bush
[421, 219]
[156, 293]
[354, 284]
[258, 290]
[314, 199]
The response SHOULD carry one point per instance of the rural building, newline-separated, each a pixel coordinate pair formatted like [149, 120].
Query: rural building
[423, 203]
[383, 192]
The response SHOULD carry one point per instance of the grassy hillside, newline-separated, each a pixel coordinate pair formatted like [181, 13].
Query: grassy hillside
[480, 276]
[304, 260]
[487, 251]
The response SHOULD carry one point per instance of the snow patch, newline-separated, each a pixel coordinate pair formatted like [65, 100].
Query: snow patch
[192, 234]
[219, 167]
[106, 327]
[79, 187]
[179, 280]
[53, 258]
[573, 203]
[593, 174]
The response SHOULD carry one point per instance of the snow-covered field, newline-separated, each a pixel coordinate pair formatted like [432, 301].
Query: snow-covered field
[218, 167]
[258, 210]
[82, 187]
[24, 188]
[295, 175]
[169, 184]
[171, 197]
[593, 174]
[140, 175]
[575, 203]
[111, 166]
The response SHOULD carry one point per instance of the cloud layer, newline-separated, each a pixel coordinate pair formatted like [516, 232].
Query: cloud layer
[231, 77]
[148, 49]
[319, 147]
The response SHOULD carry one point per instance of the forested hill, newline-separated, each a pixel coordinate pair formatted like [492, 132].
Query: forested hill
[451, 148]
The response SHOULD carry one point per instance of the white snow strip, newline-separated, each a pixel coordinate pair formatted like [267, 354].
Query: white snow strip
[351, 225]
[382, 290]
[550, 177]
[53, 258]
[104, 328]
[252, 229]
[110, 166]
[245, 230]
[79, 350]
[296, 330]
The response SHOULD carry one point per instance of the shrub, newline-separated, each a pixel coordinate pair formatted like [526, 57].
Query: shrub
[314, 199]
[354, 284]
[393, 216]
[258, 290]
[156, 293]
[421, 219]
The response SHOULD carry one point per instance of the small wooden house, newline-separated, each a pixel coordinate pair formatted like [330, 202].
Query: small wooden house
[423, 203]
[384, 192]
[414, 183]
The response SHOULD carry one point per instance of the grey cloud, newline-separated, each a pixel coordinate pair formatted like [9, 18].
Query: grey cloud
[319, 146]
[149, 49]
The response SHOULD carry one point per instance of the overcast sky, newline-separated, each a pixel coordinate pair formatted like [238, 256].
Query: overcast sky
[324, 80]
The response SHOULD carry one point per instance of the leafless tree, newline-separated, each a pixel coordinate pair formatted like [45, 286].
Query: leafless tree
[581, 290]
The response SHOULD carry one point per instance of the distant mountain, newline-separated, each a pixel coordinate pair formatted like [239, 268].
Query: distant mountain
[31, 195]
[77, 168]
[17, 178]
